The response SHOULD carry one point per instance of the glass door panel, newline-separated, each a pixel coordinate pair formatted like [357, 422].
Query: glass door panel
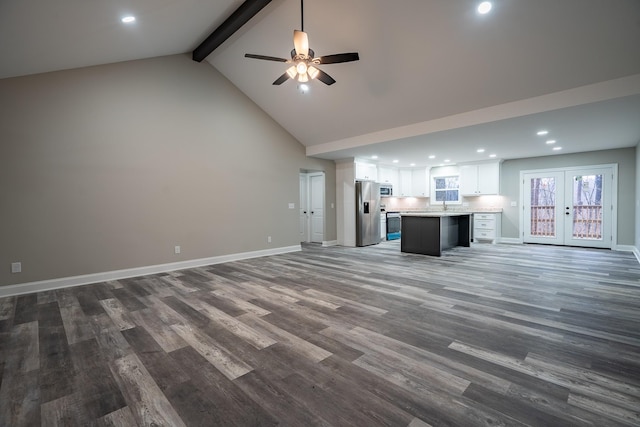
[588, 216]
[543, 202]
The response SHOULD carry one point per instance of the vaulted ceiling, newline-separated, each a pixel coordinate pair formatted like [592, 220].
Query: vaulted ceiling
[434, 76]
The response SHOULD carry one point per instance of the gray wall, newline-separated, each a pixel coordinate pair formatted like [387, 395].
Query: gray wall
[626, 160]
[637, 200]
[110, 167]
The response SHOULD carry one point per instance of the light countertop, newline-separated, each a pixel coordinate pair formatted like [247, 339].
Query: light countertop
[434, 214]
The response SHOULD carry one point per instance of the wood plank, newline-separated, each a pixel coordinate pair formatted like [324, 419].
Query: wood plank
[93, 382]
[76, 325]
[298, 345]
[218, 356]
[148, 404]
[118, 313]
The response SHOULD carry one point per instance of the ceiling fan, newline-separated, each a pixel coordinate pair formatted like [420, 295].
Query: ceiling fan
[303, 61]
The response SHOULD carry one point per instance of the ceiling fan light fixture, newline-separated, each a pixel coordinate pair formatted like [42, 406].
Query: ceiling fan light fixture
[301, 67]
[313, 72]
[303, 78]
[292, 72]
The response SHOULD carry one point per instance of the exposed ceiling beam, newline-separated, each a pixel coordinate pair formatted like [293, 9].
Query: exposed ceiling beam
[241, 16]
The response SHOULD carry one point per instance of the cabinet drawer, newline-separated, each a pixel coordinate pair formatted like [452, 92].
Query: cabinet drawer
[485, 217]
[484, 224]
[484, 234]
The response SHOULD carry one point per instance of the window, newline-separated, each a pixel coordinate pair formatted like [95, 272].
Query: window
[447, 189]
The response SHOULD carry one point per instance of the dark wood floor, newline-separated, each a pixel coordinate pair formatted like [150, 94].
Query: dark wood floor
[488, 335]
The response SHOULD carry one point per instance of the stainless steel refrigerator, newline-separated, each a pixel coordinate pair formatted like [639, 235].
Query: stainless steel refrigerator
[367, 213]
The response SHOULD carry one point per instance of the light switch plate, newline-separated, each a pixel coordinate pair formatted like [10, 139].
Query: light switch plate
[177, 249]
[292, 205]
[16, 267]
[514, 204]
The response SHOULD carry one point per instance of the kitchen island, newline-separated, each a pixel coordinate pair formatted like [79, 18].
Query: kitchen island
[430, 233]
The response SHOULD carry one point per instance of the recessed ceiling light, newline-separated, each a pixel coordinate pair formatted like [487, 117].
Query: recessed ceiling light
[396, 161]
[557, 148]
[412, 164]
[480, 150]
[484, 7]
[374, 157]
[447, 160]
[129, 19]
[492, 155]
[432, 156]
[551, 141]
[543, 132]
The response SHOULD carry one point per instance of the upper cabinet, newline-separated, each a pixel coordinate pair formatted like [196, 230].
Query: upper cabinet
[420, 182]
[480, 179]
[387, 175]
[413, 182]
[366, 171]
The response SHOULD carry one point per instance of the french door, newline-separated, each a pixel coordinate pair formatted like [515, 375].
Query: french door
[572, 207]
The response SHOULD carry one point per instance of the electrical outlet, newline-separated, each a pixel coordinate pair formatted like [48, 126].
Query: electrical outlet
[16, 267]
[292, 205]
[268, 239]
[514, 204]
[177, 249]
[332, 205]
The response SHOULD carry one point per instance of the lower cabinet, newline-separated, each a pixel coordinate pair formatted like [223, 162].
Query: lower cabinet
[486, 226]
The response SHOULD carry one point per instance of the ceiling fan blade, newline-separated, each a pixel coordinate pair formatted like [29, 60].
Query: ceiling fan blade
[301, 42]
[325, 78]
[339, 57]
[265, 58]
[283, 78]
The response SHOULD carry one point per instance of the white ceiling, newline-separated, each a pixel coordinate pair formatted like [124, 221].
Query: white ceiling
[434, 76]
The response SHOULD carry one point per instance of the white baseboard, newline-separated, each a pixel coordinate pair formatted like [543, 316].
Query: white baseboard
[328, 243]
[628, 248]
[510, 240]
[65, 282]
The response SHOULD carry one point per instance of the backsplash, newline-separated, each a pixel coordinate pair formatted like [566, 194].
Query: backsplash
[474, 204]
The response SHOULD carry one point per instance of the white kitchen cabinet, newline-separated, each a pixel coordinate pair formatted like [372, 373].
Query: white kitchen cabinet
[405, 187]
[480, 179]
[388, 175]
[420, 182]
[486, 226]
[414, 182]
[366, 171]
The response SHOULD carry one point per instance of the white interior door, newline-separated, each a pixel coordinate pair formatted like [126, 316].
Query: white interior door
[316, 197]
[571, 207]
[304, 208]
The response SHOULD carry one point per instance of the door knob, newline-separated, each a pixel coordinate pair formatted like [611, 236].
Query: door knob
[567, 213]
[311, 212]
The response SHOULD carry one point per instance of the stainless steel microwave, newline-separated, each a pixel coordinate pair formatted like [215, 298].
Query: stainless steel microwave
[386, 190]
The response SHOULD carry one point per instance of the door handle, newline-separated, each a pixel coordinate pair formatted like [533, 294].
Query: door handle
[304, 212]
[312, 212]
[567, 213]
